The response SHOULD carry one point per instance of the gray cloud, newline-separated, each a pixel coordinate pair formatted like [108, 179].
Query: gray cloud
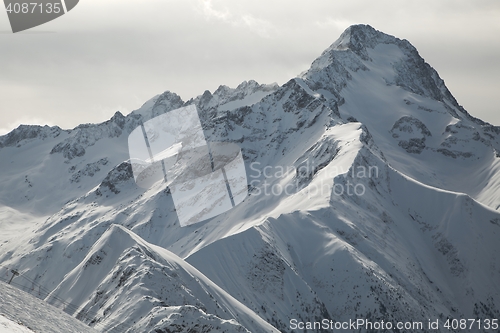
[113, 55]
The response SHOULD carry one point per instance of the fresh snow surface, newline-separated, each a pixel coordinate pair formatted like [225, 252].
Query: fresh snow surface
[123, 265]
[22, 312]
[8, 326]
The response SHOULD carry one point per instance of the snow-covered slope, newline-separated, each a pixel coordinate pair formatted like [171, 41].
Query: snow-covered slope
[373, 194]
[21, 312]
[9, 326]
[127, 277]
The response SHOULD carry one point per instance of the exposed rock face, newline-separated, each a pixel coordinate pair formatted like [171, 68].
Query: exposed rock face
[414, 131]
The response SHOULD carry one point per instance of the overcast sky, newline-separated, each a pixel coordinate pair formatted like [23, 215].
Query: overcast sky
[109, 55]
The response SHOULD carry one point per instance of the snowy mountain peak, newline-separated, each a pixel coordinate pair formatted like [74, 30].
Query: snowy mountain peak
[359, 37]
[361, 45]
[166, 102]
[225, 98]
[26, 133]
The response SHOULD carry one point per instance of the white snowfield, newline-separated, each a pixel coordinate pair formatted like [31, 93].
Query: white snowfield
[8, 326]
[373, 194]
[20, 312]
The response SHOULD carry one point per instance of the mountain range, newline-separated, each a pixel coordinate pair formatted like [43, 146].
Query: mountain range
[373, 194]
